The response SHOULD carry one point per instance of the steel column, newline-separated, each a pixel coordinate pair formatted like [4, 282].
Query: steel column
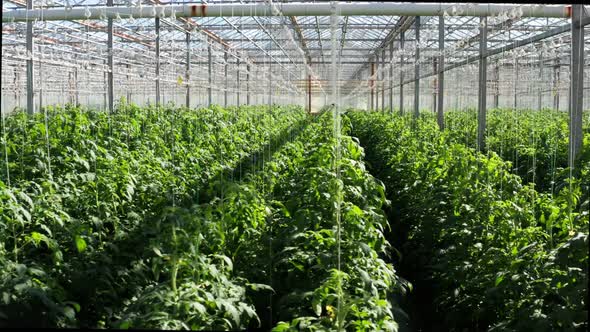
[383, 80]
[434, 85]
[270, 85]
[30, 69]
[210, 74]
[401, 73]
[377, 82]
[515, 83]
[417, 70]
[238, 81]
[391, 77]
[441, 73]
[105, 85]
[225, 77]
[556, 85]
[111, 71]
[481, 96]
[497, 85]
[157, 61]
[539, 101]
[248, 84]
[187, 74]
[576, 86]
[309, 93]
[372, 84]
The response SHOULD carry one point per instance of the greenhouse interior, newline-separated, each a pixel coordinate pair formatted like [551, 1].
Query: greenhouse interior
[294, 165]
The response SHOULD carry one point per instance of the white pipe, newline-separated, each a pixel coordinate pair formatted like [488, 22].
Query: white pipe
[286, 9]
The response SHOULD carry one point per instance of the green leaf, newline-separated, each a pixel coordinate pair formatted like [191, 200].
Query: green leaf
[125, 325]
[499, 279]
[80, 243]
[69, 313]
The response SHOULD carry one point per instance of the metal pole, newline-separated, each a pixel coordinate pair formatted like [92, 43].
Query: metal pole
[497, 87]
[286, 9]
[377, 83]
[111, 71]
[209, 89]
[434, 85]
[441, 74]
[30, 69]
[106, 86]
[270, 100]
[309, 93]
[157, 61]
[225, 77]
[188, 69]
[238, 81]
[248, 84]
[555, 85]
[481, 96]
[515, 83]
[391, 77]
[401, 73]
[576, 86]
[77, 91]
[539, 101]
[383, 80]
[372, 85]
[417, 70]
[128, 85]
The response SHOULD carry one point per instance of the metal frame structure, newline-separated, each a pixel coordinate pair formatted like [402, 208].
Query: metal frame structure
[197, 54]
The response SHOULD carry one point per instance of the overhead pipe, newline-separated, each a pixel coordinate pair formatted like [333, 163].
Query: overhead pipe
[286, 9]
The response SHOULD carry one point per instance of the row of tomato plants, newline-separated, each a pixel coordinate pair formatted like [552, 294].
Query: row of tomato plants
[536, 142]
[282, 221]
[495, 254]
[88, 200]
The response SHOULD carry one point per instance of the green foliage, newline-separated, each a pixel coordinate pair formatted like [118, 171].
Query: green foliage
[100, 220]
[498, 254]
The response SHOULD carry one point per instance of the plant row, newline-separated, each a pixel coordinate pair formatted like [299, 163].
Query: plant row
[91, 213]
[496, 254]
[535, 142]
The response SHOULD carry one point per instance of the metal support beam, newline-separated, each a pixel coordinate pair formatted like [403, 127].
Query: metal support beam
[308, 93]
[401, 74]
[188, 70]
[383, 80]
[515, 82]
[556, 85]
[248, 84]
[481, 95]
[372, 85]
[210, 75]
[157, 61]
[111, 70]
[105, 82]
[441, 74]
[576, 85]
[76, 88]
[391, 77]
[434, 84]
[225, 78]
[30, 69]
[286, 9]
[238, 82]
[497, 85]
[269, 83]
[539, 84]
[377, 82]
[519, 43]
[417, 70]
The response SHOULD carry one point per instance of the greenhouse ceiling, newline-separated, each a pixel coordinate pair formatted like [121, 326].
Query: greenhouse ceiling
[292, 45]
